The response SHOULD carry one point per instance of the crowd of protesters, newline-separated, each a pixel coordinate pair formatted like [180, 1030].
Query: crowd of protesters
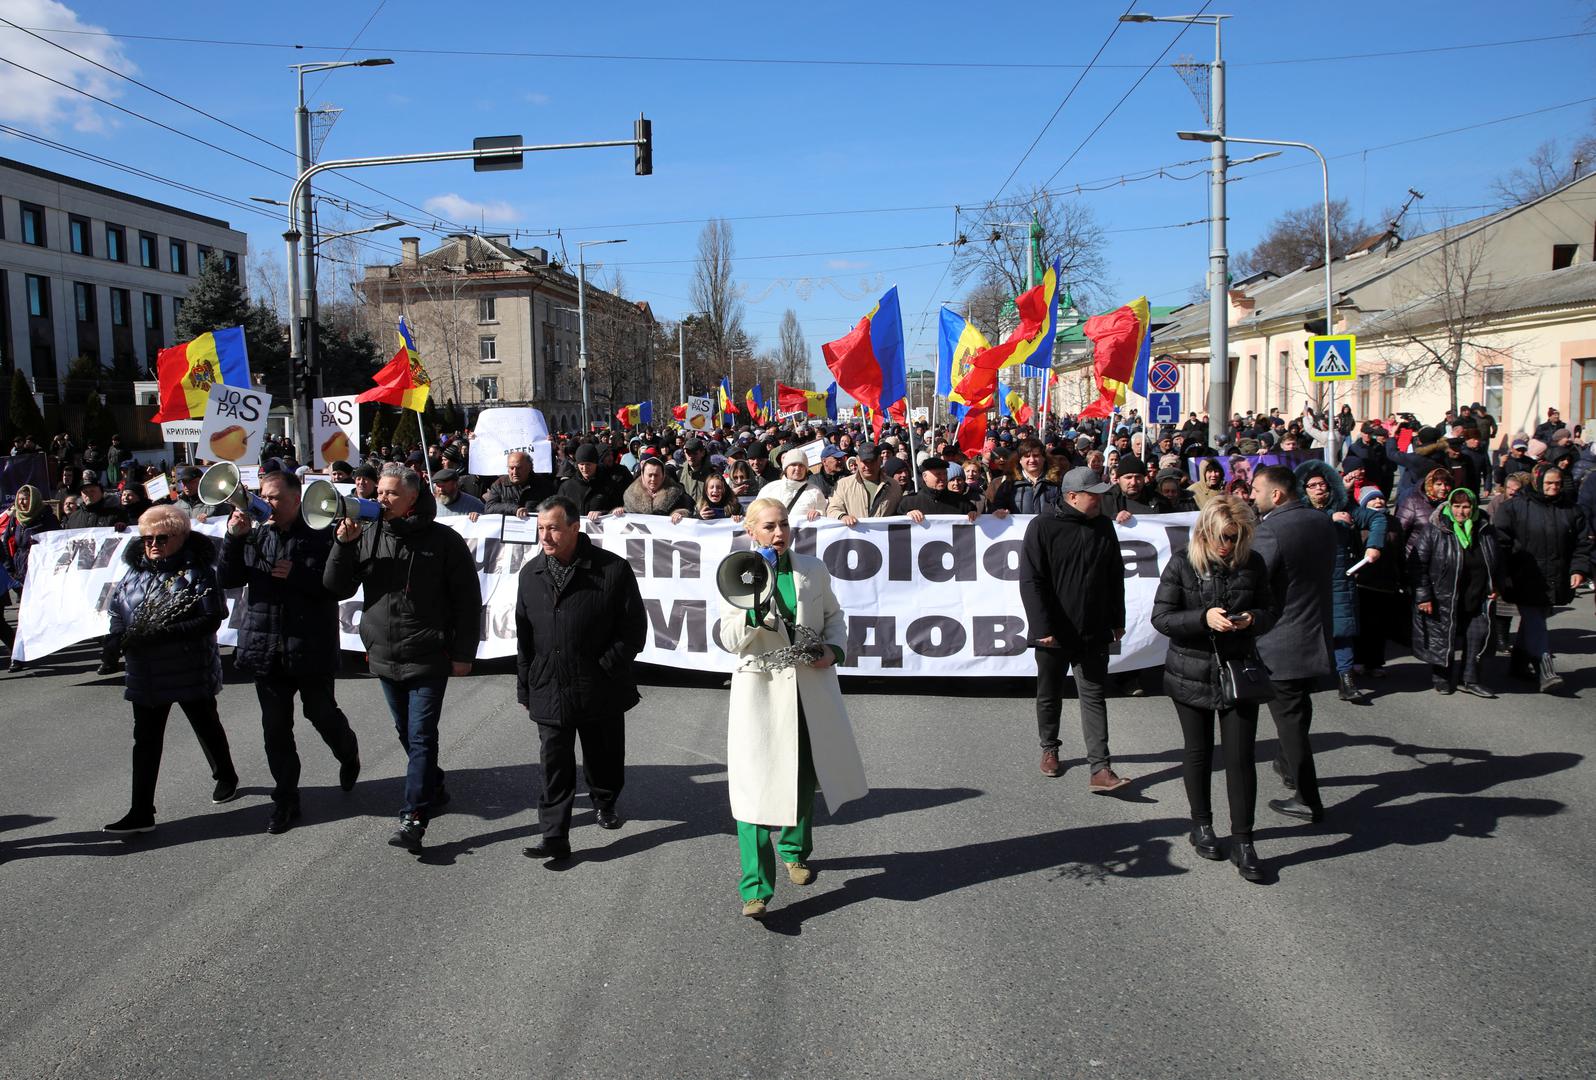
[1435, 538]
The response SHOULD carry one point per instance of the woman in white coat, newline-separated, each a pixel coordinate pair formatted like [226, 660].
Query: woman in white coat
[801, 494]
[788, 727]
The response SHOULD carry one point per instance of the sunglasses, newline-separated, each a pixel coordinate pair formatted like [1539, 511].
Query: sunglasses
[156, 539]
[1230, 538]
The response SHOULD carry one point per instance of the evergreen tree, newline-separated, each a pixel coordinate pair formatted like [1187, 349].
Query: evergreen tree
[382, 426]
[99, 423]
[407, 433]
[216, 301]
[24, 416]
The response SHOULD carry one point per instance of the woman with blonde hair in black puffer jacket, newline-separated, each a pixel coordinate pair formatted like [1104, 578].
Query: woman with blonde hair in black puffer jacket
[1213, 601]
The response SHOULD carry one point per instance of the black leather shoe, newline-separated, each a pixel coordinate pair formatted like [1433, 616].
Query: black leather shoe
[348, 773]
[1245, 858]
[409, 834]
[546, 848]
[1476, 689]
[225, 791]
[1205, 842]
[1442, 686]
[1286, 780]
[283, 817]
[608, 818]
[1295, 808]
[130, 823]
[1350, 691]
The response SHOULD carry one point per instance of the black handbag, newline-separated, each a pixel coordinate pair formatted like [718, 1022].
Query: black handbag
[1243, 680]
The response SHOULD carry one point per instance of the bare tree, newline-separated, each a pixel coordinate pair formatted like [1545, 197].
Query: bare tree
[268, 281]
[1548, 168]
[792, 365]
[984, 304]
[1296, 239]
[1071, 236]
[1440, 323]
[619, 345]
[716, 294]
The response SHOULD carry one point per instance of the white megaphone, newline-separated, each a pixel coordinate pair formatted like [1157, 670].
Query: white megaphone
[321, 506]
[746, 580]
[221, 485]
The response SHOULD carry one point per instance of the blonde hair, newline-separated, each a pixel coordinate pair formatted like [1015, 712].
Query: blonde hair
[166, 515]
[1221, 512]
[759, 506]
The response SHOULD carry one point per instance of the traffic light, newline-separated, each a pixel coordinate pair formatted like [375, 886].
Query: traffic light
[643, 132]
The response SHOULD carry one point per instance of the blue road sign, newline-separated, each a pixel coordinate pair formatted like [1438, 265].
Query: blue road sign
[1163, 376]
[1334, 357]
[1163, 408]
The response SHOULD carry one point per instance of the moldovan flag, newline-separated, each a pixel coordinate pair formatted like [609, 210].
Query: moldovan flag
[957, 341]
[755, 400]
[1118, 338]
[869, 362]
[402, 381]
[816, 403]
[1012, 403]
[1031, 343]
[638, 415]
[185, 372]
[724, 400]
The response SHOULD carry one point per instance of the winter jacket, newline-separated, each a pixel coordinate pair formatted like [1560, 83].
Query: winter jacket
[464, 503]
[851, 500]
[1298, 545]
[505, 497]
[1417, 463]
[1511, 463]
[172, 657]
[1180, 613]
[1022, 495]
[17, 540]
[665, 502]
[105, 514]
[1350, 543]
[1072, 580]
[423, 599]
[590, 495]
[1413, 514]
[1115, 500]
[1378, 470]
[1542, 545]
[289, 625]
[1433, 574]
[934, 503]
[575, 647]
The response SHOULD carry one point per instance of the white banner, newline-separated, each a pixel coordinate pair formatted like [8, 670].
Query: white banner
[335, 433]
[235, 424]
[498, 432]
[940, 598]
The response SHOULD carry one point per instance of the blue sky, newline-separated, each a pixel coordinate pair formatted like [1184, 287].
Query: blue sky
[749, 140]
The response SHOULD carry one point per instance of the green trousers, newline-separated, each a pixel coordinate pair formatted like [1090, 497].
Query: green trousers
[758, 845]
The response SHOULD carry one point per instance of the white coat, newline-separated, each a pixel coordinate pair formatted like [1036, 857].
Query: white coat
[762, 731]
[811, 496]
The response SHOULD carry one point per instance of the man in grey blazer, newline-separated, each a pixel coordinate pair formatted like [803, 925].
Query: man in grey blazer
[1298, 545]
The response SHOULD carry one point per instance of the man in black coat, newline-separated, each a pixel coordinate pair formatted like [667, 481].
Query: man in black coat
[95, 511]
[1128, 496]
[421, 624]
[579, 623]
[933, 497]
[1072, 582]
[591, 489]
[289, 637]
[1298, 545]
[518, 490]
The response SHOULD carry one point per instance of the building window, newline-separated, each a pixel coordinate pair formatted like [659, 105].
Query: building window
[230, 262]
[119, 304]
[202, 255]
[1492, 399]
[83, 300]
[1285, 378]
[115, 243]
[488, 349]
[177, 256]
[79, 236]
[485, 310]
[152, 311]
[1586, 370]
[1563, 255]
[489, 385]
[38, 296]
[33, 225]
[177, 310]
[149, 253]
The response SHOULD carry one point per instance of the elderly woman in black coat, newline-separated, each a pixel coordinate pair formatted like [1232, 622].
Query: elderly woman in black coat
[1546, 553]
[1454, 572]
[164, 615]
[1212, 602]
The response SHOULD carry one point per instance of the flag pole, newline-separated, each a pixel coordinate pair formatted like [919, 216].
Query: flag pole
[426, 458]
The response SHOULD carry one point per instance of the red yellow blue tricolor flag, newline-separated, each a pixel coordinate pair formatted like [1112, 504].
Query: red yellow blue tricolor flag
[185, 372]
[402, 381]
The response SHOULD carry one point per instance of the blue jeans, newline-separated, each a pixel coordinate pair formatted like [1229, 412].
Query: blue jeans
[416, 705]
[1344, 654]
[1532, 636]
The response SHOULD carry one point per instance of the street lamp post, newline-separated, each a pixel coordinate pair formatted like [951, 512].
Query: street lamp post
[581, 322]
[1218, 256]
[1334, 451]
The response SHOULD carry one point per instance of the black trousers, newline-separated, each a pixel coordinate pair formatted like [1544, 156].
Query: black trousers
[276, 694]
[149, 738]
[603, 767]
[1468, 636]
[1238, 732]
[1091, 675]
[1378, 612]
[1292, 710]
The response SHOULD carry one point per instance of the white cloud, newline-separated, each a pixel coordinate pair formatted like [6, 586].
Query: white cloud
[29, 101]
[466, 212]
[845, 264]
[533, 97]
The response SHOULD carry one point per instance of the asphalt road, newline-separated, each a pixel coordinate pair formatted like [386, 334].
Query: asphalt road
[970, 917]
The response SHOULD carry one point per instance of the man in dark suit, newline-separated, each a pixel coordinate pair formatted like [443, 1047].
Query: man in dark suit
[579, 622]
[1298, 545]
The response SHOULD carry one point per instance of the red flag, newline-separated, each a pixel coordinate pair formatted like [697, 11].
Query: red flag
[899, 411]
[972, 432]
[679, 411]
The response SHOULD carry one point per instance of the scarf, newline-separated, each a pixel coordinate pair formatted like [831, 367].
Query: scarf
[1463, 530]
[35, 505]
[559, 572]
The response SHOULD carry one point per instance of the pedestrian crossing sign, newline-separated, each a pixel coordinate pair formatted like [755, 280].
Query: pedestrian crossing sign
[1333, 357]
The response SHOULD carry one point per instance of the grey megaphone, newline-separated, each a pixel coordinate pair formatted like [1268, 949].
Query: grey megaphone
[221, 486]
[746, 580]
[322, 506]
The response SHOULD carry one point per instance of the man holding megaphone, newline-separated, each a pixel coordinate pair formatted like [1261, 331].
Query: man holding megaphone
[289, 636]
